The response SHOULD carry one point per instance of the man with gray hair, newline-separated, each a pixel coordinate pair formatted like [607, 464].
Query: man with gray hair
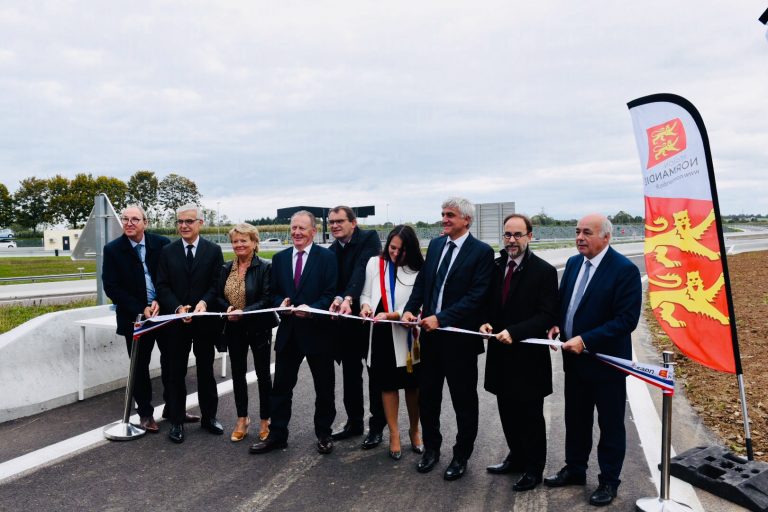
[451, 291]
[129, 275]
[186, 282]
[600, 297]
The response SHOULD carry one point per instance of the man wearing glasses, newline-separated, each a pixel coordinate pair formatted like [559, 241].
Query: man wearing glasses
[129, 275]
[353, 248]
[524, 305]
[186, 283]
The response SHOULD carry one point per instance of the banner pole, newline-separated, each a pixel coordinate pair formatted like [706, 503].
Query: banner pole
[123, 430]
[663, 503]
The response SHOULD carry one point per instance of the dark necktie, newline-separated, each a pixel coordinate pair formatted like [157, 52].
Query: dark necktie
[576, 300]
[440, 276]
[190, 256]
[297, 272]
[508, 280]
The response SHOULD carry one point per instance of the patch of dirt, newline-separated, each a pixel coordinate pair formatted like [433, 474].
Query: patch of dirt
[715, 395]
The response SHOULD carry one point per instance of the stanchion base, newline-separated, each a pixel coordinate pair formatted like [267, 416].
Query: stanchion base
[119, 431]
[660, 505]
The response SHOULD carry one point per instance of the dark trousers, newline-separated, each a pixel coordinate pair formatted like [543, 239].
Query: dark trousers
[142, 384]
[194, 337]
[352, 374]
[238, 353]
[581, 399]
[444, 358]
[287, 363]
[525, 430]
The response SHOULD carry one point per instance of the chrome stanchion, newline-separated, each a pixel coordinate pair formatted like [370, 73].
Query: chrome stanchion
[122, 430]
[663, 503]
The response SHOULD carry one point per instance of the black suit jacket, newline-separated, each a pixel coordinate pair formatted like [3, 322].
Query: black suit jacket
[466, 287]
[316, 289]
[258, 295]
[607, 314]
[179, 286]
[522, 370]
[123, 276]
[351, 261]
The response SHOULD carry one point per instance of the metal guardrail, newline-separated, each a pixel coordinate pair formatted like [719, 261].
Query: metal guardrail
[51, 277]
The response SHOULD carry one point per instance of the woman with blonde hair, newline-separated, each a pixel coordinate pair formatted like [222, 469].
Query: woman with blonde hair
[244, 286]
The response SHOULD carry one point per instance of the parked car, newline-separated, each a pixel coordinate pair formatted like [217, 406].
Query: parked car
[10, 244]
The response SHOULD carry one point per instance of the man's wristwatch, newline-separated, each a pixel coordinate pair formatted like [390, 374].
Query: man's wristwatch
[338, 300]
[348, 298]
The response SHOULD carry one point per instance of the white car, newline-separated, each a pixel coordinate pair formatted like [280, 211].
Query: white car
[10, 244]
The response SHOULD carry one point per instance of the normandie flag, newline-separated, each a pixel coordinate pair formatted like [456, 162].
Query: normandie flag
[688, 286]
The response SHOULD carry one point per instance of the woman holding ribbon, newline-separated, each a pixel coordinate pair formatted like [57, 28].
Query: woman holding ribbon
[393, 350]
[244, 286]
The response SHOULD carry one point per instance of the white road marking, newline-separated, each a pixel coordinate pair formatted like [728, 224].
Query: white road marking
[91, 439]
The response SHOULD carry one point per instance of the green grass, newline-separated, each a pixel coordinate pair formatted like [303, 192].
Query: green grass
[42, 265]
[13, 316]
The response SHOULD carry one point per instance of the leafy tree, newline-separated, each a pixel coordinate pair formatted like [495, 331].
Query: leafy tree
[115, 189]
[142, 190]
[6, 207]
[622, 218]
[542, 219]
[78, 201]
[175, 191]
[31, 203]
[58, 187]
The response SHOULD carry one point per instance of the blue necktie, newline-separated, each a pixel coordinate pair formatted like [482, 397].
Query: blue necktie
[576, 300]
[147, 278]
[440, 276]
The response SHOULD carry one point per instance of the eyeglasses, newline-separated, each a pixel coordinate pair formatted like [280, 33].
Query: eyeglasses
[130, 220]
[337, 221]
[516, 236]
[188, 222]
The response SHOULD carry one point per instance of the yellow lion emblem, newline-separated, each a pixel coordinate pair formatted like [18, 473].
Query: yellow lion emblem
[682, 236]
[694, 297]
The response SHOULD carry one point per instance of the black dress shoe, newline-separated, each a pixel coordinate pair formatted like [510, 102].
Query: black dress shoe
[455, 469]
[176, 434]
[603, 495]
[428, 461]
[191, 418]
[527, 482]
[212, 425]
[348, 431]
[565, 477]
[395, 454]
[267, 445]
[372, 440]
[507, 466]
[325, 446]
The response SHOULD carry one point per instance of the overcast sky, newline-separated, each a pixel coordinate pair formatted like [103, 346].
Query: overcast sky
[398, 103]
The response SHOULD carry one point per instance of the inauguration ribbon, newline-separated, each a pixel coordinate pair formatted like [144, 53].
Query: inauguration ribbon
[655, 375]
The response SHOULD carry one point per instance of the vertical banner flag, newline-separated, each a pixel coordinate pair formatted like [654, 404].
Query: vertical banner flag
[688, 286]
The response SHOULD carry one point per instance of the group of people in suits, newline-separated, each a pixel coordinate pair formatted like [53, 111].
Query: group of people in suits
[458, 284]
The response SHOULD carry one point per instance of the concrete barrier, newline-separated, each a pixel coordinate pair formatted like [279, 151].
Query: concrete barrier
[39, 362]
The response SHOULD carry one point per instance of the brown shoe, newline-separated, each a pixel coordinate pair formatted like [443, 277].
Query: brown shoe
[241, 429]
[191, 418]
[148, 423]
[264, 430]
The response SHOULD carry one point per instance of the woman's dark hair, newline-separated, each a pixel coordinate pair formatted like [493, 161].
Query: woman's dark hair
[413, 257]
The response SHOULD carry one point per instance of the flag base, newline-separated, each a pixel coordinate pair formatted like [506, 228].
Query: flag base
[119, 431]
[660, 505]
[716, 470]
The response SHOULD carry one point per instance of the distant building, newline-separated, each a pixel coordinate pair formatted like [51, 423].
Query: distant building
[61, 239]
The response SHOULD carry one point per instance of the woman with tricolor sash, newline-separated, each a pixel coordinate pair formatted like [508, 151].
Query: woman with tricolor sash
[393, 350]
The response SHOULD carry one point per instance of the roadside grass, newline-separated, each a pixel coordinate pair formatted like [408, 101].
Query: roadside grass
[13, 316]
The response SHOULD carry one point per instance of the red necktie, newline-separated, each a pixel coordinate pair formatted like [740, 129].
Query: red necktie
[508, 280]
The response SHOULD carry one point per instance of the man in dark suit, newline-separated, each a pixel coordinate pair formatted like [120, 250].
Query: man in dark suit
[353, 248]
[303, 276]
[600, 297]
[524, 305]
[129, 274]
[186, 282]
[451, 291]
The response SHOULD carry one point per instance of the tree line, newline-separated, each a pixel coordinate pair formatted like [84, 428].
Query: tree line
[59, 200]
